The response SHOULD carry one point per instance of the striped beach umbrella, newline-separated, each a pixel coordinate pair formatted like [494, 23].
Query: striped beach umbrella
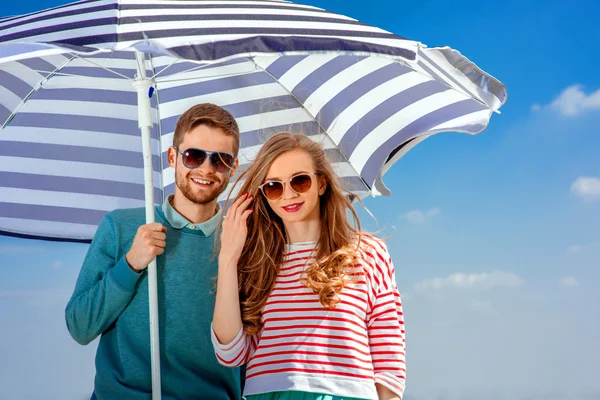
[90, 93]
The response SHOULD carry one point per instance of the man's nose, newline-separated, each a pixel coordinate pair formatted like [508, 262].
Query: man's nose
[206, 168]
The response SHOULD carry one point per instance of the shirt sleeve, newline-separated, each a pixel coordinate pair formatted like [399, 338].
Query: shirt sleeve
[386, 325]
[104, 288]
[236, 353]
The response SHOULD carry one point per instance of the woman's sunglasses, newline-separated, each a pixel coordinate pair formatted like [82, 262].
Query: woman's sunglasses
[193, 158]
[300, 183]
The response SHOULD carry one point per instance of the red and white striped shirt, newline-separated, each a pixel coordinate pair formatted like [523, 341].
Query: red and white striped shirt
[306, 347]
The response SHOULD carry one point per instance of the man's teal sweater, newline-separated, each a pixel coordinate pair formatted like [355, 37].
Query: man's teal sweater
[111, 300]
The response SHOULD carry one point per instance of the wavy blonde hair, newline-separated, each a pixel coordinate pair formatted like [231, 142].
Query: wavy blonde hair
[263, 252]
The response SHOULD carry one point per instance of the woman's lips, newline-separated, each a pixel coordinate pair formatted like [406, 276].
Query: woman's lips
[292, 208]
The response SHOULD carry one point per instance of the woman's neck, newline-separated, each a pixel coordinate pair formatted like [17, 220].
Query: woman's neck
[303, 231]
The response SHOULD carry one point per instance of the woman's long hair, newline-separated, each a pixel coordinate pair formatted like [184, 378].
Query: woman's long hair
[264, 250]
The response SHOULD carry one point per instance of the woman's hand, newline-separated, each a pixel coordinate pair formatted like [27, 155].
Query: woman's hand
[235, 230]
[386, 394]
[227, 319]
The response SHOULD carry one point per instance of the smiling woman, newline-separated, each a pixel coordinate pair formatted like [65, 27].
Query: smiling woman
[307, 300]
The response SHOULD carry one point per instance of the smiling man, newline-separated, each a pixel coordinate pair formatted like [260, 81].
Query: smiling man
[110, 299]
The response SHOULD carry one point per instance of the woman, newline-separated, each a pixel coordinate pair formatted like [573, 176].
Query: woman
[306, 300]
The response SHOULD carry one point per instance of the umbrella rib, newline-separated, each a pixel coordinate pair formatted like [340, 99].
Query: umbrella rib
[53, 73]
[196, 78]
[33, 91]
[162, 70]
[104, 68]
[289, 92]
[181, 72]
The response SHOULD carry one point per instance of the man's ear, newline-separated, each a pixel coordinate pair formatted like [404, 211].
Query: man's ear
[233, 169]
[172, 156]
[322, 184]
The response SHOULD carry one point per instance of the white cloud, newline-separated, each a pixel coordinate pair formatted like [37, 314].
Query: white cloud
[419, 217]
[586, 187]
[569, 281]
[576, 249]
[573, 101]
[481, 281]
[589, 247]
[57, 264]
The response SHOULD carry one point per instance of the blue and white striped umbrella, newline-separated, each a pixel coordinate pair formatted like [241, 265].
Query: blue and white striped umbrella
[69, 141]
[74, 94]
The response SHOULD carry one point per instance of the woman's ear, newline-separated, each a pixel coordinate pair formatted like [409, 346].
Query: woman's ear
[322, 184]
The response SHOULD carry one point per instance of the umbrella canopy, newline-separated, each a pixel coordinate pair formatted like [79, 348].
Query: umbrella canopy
[69, 138]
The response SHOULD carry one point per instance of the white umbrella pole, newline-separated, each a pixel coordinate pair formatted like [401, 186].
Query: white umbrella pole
[142, 85]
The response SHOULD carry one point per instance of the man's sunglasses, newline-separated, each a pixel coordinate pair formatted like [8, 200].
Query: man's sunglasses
[300, 183]
[193, 158]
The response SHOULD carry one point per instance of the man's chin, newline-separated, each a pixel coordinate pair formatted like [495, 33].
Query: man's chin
[201, 196]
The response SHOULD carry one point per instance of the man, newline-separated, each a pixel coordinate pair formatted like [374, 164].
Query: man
[110, 299]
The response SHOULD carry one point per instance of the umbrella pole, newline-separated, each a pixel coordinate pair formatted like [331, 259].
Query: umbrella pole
[142, 86]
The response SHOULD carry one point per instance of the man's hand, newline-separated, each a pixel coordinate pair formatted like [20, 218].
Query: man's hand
[149, 242]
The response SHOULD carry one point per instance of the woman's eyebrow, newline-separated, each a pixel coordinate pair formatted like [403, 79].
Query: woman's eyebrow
[294, 174]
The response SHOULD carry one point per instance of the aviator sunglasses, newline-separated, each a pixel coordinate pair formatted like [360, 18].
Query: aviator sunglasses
[193, 158]
[300, 183]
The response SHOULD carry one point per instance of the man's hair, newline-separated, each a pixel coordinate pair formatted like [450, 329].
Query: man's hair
[210, 115]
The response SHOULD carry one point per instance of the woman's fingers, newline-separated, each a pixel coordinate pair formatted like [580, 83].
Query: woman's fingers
[246, 214]
[233, 208]
[243, 206]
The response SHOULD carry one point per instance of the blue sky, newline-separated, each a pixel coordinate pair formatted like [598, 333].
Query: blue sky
[495, 237]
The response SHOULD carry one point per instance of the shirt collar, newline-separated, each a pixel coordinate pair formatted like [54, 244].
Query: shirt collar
[178, 221]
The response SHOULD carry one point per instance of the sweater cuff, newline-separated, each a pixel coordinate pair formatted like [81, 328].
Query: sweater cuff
[124, 276]
[226, 349]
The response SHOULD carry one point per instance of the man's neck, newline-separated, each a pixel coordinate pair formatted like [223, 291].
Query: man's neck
[195, 213]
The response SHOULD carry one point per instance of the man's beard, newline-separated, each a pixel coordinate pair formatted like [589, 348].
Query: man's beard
[199, 196]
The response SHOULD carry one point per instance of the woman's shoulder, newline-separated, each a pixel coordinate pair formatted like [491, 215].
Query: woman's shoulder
[372, 243]
[376, 260]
